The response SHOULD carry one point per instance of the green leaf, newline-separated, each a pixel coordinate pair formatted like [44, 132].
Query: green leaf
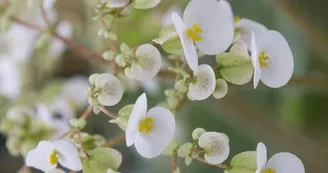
[102, 159]
[173, 46]
[185, 150]
[145, 4]
[240, 170]
[245, 159]
[235, 69]
[166, 34]
[123, 116]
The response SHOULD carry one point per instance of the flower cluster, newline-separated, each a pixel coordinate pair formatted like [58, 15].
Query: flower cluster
[243, 50]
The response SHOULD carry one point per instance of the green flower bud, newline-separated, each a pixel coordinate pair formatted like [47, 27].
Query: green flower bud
[108, 55]
[181, 86]
[172, 102]
[101, 32]
[13, 146]
[188, 160]
[169, 92]
[92, 78]
[197, 133]
[221, 89]
[126, 51]
[120, 60]
[110, 35]
[96, 110]
[123, 117]
[78, 123]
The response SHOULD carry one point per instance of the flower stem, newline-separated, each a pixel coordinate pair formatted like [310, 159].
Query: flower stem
[87, 112]
[221, 165]
[174, 160]
[114, 141]
[107, 112]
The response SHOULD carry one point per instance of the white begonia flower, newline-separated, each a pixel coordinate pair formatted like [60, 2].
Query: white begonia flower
[204, 85]
[216, 146]
[47, 155]
[279, 163]
[116, 3]
[166, 17]
[147, 63]
[10, 78]
[245, 27]
[207, 24]
[272, 59]
[151, 132]
[55, 171]
[110, 89]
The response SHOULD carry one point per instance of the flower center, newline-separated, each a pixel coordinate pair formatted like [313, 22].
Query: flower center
[194, 33]
[52, 159]
[268, 170]
[263, 58]
[146, 125]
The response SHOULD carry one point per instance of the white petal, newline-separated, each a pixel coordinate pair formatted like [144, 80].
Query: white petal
[111, 89]
[153, 144]
[166, 17]
[68, 156]
[138, 113]
[38, 157]
[216, 146]
[55, 171]
[286, 163]
[246, 27]
[10, 78]
[205, 84]
[226, 5]
[261, 155]
[187, 44]
[75, 90]
[255, 61]
[116, 3]
[151, 61]
[281, 63]
[215, 22]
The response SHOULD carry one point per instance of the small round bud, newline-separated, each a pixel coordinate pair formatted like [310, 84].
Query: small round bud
[221, 89]
[110, 35]
[185, 150]
[101, 32]
[197, 133]
[108, 55]
[181, 86]
[120, 60]
[92, 78]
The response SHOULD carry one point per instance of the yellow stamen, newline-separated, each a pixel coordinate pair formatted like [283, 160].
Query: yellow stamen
[52, 159]
[263, 58]
[194, 33]
[236, 19]
[146, 125]
[268, 170]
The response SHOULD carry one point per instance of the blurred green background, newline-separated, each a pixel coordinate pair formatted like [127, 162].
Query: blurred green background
[293, 118]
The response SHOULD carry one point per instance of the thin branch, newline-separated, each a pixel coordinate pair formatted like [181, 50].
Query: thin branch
[107, 112]
[79, 49]
[114, 141]
[81, 143]
[87, 112]
[174, 160]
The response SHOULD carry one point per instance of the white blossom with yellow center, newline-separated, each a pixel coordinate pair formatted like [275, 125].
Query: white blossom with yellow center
[115, 3]
[245, 27]
[278, 163]
[272, 59]
[151, 132]
[208, 25]
[110, 89]
[216, 146]
[47, 155]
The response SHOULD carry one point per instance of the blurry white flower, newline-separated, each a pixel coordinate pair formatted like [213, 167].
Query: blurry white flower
[278, 163]
[110, 89]
[216, 146]
[244, 28]
[116, 3]
[272, 59]
[210, 36]
[56, 116]
[10, 78]
[151, 132]
[75, 91]
[147, 63]
[204, 84]
[57, 47]
[48, 154]
[166, 17]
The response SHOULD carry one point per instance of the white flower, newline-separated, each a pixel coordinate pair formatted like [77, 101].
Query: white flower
[244, 28]
[166, 17]
[204, 85]
[147, 63]
[207, 24]
[47, 155]
[279, 163]
[151, 132]
[116, 3]
[110, 89]
[226, 5]
[75, 90]
[57, 47]
[10, 78]
[272, 59]
[216, 146]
